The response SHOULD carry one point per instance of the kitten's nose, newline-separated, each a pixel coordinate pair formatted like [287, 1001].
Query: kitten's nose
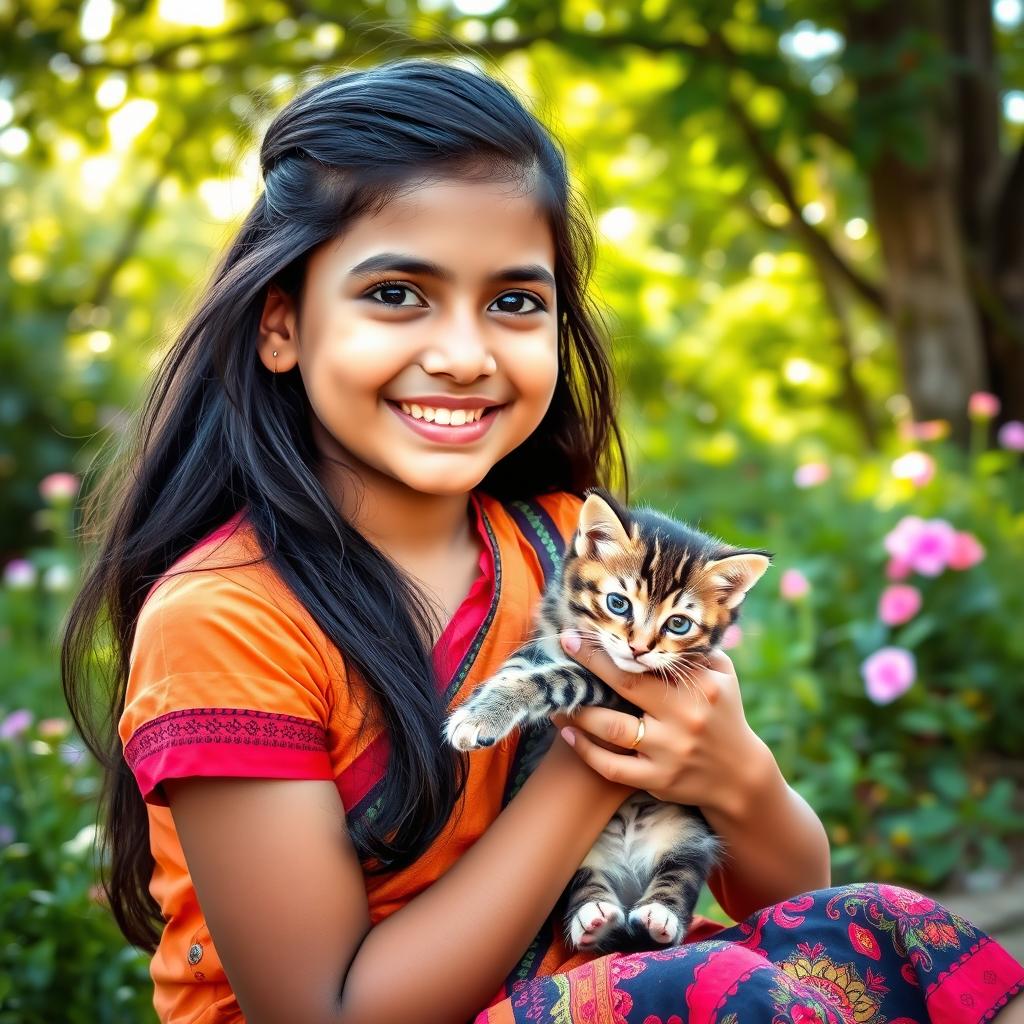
[637, 651]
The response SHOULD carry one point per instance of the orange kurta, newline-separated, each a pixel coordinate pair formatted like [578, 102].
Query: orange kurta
[231, 676]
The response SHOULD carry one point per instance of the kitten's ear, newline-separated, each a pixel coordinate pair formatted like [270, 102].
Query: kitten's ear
[600, 530]
[735, 574]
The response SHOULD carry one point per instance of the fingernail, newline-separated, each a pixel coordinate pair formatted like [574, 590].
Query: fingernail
[571, 641]
[569, 736]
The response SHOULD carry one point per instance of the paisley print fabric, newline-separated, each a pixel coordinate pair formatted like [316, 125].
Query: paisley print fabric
[857, 954]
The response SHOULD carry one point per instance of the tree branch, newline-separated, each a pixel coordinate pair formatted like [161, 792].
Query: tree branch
[376, 33]
[125, 248]
[856, 401]
[816, 242]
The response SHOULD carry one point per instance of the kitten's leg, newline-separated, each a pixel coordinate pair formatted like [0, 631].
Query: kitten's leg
[665, 909]
[593, 909]
[525, 690]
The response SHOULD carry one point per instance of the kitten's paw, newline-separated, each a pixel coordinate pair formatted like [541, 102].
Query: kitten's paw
[662, 925]
[467, 729]
[591, 921]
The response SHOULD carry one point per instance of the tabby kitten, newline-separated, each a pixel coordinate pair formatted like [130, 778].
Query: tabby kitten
[657, 596]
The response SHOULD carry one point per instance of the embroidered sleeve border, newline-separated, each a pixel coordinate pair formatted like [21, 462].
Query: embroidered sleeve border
[236, 742]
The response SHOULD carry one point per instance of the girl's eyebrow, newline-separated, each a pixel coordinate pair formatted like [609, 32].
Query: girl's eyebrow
[396, 261]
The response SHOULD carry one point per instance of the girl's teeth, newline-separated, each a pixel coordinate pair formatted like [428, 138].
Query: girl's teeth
[452, 417]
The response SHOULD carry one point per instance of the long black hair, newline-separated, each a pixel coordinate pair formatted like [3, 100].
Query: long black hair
[218, 432]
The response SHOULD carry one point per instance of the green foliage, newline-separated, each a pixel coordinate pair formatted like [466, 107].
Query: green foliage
[61, 955]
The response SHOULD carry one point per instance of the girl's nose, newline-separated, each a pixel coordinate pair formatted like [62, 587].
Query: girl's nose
[461, 350]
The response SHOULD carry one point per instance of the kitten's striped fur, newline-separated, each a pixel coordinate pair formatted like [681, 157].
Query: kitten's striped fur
[638, 885]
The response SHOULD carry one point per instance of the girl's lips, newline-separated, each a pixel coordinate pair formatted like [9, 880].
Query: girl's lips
[445, 434]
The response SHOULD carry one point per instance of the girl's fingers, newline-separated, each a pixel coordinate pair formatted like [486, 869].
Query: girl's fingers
[615, 727]
[626, 769]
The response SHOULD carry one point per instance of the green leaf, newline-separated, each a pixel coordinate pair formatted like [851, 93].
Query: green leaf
[950, 781]
[922, 721]
[995, 854]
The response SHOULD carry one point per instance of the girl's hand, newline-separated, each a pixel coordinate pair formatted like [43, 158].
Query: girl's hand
[697, 747]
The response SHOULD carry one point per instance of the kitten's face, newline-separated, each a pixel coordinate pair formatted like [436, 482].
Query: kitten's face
[653, 592]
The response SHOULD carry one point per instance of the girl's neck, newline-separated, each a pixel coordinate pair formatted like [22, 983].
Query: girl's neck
[409, 526]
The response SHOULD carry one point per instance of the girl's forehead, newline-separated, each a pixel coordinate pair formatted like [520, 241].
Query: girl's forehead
[477, 219]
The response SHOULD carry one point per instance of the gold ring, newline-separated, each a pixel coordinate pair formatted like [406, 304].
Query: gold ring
[640, 729]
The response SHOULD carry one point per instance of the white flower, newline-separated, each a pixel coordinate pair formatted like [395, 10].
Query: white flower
[82, 843]
[57, 578]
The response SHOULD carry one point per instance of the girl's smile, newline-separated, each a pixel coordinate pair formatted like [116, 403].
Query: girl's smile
[447, 420]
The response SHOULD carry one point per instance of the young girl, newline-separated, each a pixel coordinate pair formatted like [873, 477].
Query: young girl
[359, 458]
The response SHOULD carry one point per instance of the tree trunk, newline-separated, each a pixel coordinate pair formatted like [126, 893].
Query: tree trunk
[930, 300]
[991, 200]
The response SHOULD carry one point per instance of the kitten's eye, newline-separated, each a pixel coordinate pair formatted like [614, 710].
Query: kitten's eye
[618, 604]
[679, 624]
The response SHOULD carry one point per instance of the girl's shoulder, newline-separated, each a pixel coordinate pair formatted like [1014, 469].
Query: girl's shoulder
[228, 673]
[225, 579]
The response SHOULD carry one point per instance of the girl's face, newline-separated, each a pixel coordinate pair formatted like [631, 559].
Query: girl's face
[443, 301]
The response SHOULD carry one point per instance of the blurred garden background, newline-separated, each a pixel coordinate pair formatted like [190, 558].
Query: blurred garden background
[811, 224]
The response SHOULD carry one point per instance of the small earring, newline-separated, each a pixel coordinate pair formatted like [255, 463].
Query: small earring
[275, 362]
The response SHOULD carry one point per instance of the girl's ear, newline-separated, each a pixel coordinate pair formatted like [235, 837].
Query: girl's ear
[278, 332]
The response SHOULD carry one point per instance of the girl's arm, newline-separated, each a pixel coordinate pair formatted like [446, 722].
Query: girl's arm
[283, 896]
[776, 845]
[443, 955]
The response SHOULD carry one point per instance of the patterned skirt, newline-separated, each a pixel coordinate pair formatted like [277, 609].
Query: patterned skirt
[858, 953]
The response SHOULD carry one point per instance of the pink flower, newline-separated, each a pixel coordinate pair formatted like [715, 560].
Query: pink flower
[16, 723]
[1011, 436]
[731, 637]
[917, 467]
[897, 569]
[967, 551]
[794, 585]
[926, 430]
[810, 474]
[888, 674]
[898, 604]
[53, 727]
[983, 405]
[901, 538]
[59, 486]
[925, 545]
[19, 574]
[934, 547]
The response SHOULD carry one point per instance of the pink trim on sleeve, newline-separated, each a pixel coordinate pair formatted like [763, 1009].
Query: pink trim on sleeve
[234, 742]
[454, 642]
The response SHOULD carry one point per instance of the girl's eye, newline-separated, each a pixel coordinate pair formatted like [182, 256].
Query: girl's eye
[618, 603]
[391, 294]
[679, 624]
[512, 303]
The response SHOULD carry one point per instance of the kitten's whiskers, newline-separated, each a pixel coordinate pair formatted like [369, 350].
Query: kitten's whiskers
[681, 669]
